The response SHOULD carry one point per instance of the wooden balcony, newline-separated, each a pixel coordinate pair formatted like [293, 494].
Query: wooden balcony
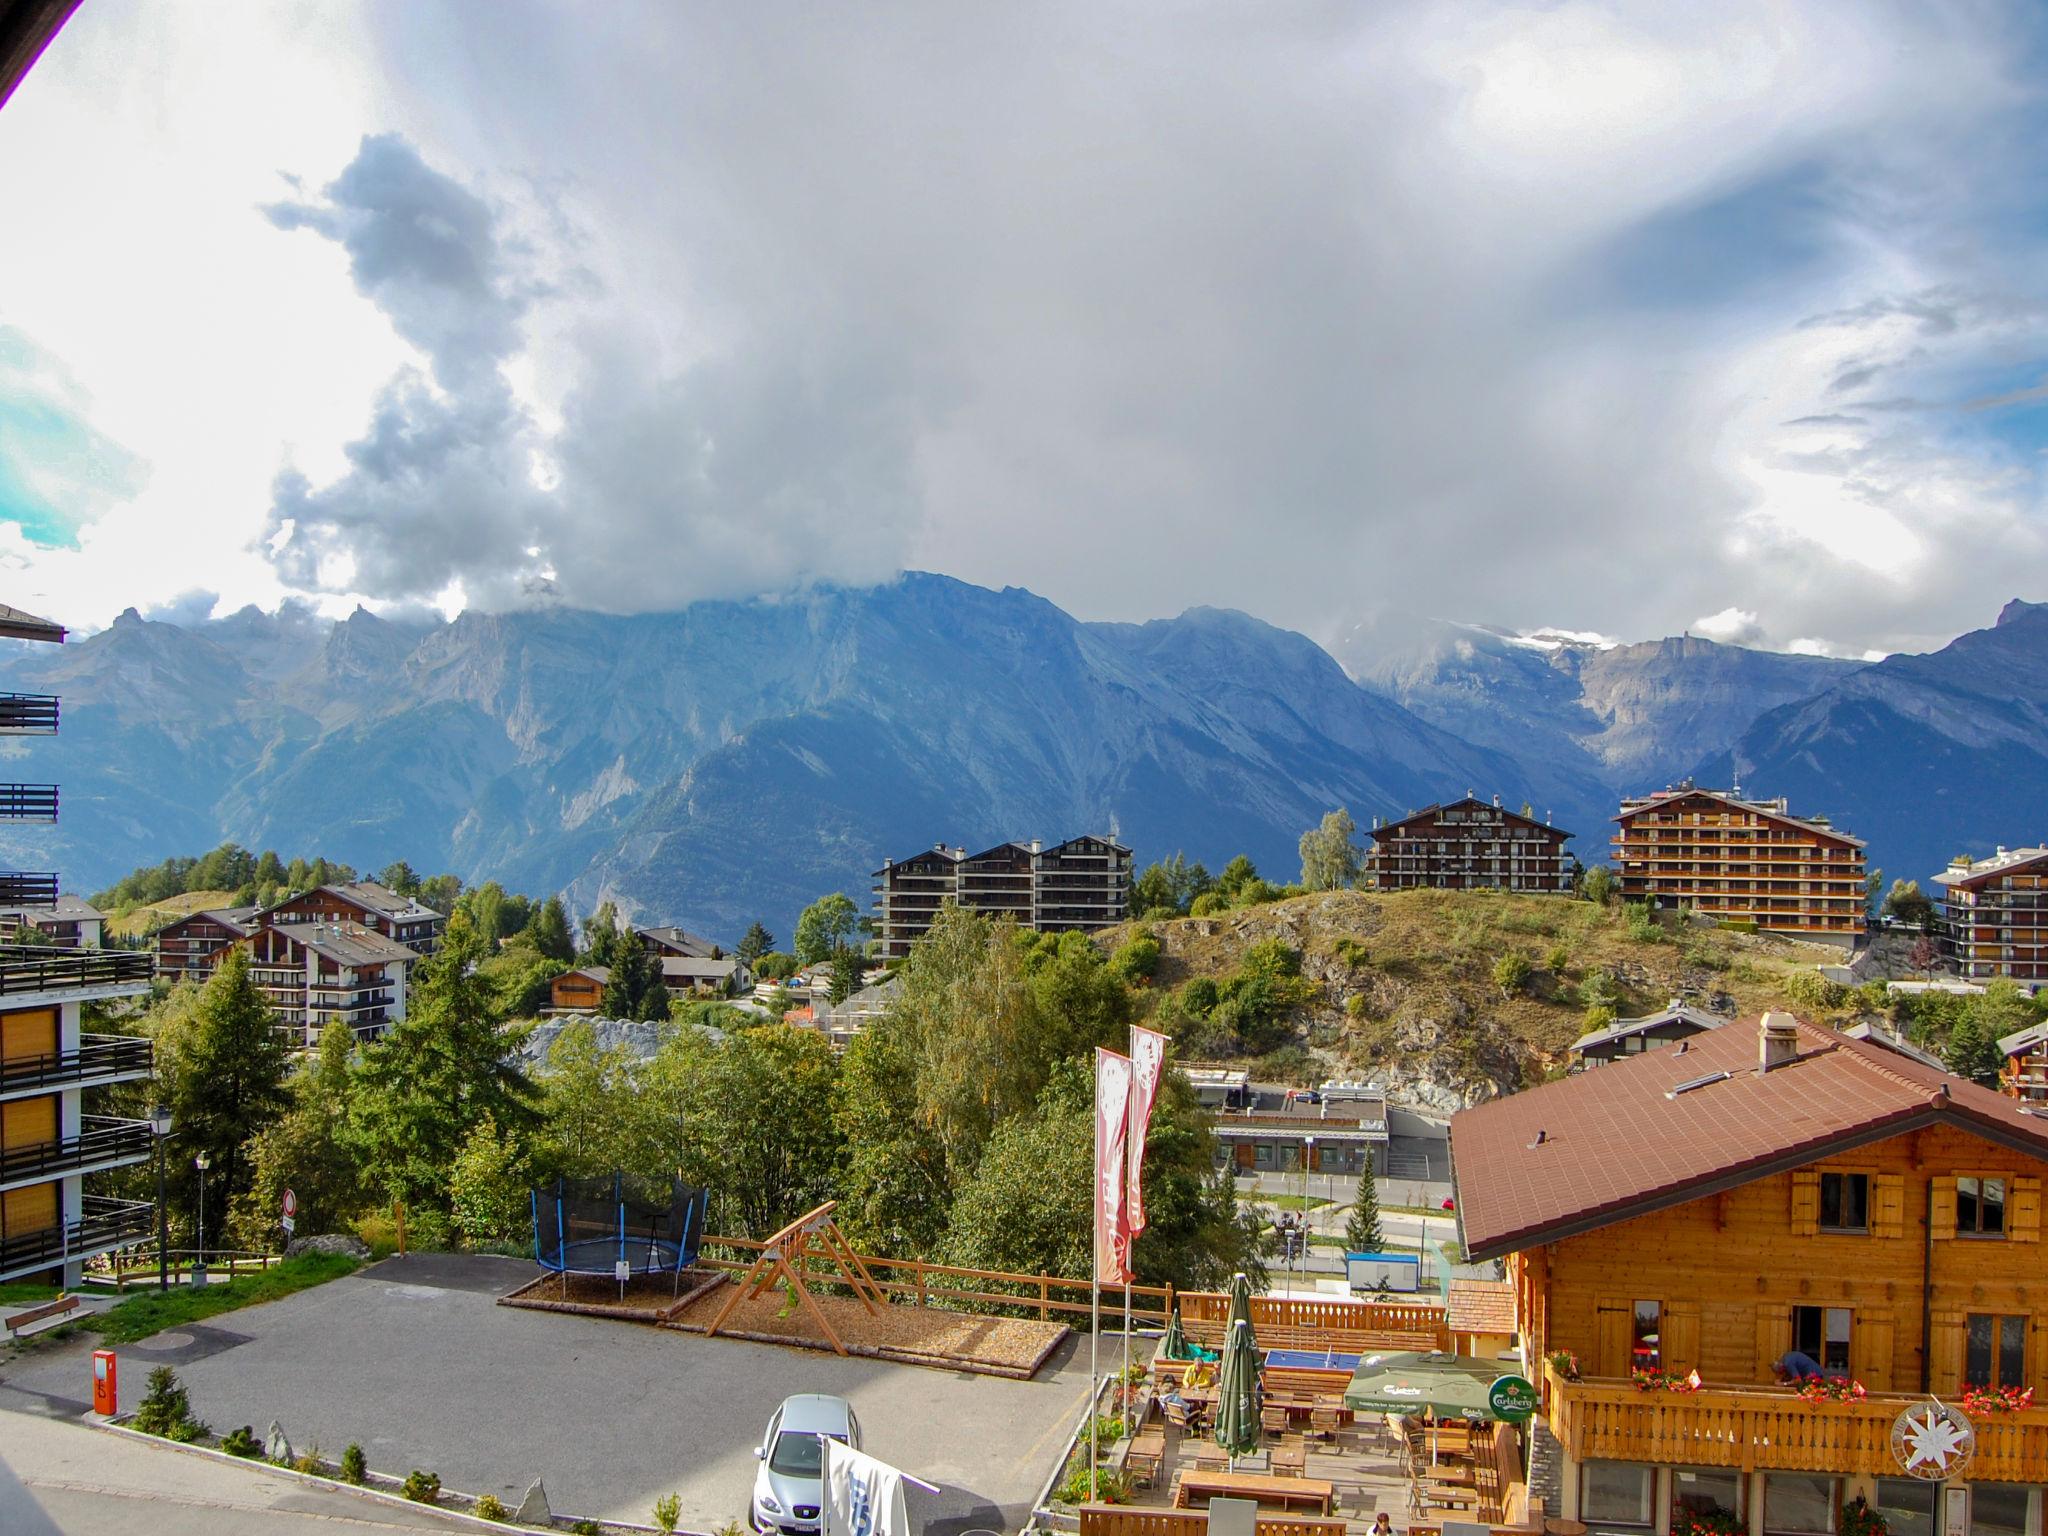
[1769, 1429]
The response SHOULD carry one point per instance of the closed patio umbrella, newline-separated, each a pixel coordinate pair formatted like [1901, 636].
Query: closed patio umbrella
[1175, 1345]
[1240, 1306]
[1237, 1392]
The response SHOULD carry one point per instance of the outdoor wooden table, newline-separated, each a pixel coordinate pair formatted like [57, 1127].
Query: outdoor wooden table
[1557, 1525]
[1198, 1487]
[1148, 1450]
[1290, 1459]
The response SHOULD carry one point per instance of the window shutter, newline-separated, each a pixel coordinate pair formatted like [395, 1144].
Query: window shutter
[1681, 1337]
[1888, 1205]
[1943, 1216]
[1805, 1202]
[2037, 1352]
[1870, 1349]
[1945, 1359]
[1614, 1319]
[2023, 1214]
[1773, 1336]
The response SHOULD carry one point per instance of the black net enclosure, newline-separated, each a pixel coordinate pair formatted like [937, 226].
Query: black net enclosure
[592, 1226]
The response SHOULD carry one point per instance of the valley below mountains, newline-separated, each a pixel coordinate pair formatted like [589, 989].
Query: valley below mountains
[732, 760]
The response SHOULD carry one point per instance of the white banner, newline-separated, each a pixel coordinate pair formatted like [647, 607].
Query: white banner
[1148, 1060]
[863, 1496]
[1112, 1221]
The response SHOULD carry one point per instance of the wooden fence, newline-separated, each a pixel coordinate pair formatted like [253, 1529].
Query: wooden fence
[1294, 1322]
[948, 1285]
[1125, 1520]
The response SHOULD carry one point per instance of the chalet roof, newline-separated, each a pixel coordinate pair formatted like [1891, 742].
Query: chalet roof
[1891, 1040]
[1734, 802]
[1480, 1306]
[697, 967]
[680, 940]
[597, 973]
[15, 624]
[1586, 1151]
[1453, 805]
[347, 944]
[382, 899]
[2022, 1039]
[240, 920]
[67, 908]
[1622, 1028]
[2005, 862]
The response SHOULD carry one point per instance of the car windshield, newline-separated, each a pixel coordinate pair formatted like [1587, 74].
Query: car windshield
[798, 1453]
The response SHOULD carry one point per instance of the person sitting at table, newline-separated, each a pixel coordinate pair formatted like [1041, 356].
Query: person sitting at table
[1179, 1410]
[1382, 1524]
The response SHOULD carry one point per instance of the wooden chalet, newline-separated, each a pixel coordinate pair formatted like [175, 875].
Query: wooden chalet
[190, 948]
[580, 990]
[1716, 1205]
[1741, 861]
[1994, 915]
[315, 973]
[1631, 1037]
[1470, 845]
[365, 904]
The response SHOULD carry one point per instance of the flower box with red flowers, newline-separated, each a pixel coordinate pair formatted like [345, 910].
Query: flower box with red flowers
[1830, 1389]
[1655, 1378]
[1983, 1402]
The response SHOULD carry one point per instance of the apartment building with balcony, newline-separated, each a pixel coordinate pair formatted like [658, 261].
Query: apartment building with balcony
[1741, 861]
[363, 904]
[1716, 1206]
[315, 973]
[1994, 916]
[1075, 886]
[1469, 845]
[190, 949]
[49, 1145]
[67, 923]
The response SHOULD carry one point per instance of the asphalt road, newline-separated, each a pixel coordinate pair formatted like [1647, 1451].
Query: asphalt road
[413, 1359]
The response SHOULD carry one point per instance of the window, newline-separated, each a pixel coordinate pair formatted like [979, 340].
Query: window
[1980, 1207]
[1615, 1494]
[1995, 1350]
[1845, 1202]
[1822, 1335]
[1799, 1505]
[1646, 1339]
[1701, 1491]
[1907, 1505]
[1999, 1509]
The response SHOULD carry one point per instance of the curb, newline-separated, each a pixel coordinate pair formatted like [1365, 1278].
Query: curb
[376, 1495]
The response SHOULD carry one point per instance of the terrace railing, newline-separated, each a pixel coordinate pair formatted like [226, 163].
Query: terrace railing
[28, 714]
[37, 968]
[20, 889]
[101, 1225]
[28, 802]
[99, 1058]
[102, 1143]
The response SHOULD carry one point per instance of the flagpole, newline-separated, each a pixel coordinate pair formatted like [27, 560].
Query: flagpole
[1094, 1327]
[1130, 1253]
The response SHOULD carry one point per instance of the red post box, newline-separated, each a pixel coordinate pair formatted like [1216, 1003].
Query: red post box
[104, 1397]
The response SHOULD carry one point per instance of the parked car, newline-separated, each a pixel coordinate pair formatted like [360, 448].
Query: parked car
[789, 1485]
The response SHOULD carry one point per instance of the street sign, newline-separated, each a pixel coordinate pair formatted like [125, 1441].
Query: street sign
[290, 1225]
[291, 1205]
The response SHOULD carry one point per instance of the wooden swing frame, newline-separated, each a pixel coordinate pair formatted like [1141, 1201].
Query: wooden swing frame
[782, 1258]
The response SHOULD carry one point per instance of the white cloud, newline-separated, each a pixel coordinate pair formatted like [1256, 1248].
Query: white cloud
[1731, 626]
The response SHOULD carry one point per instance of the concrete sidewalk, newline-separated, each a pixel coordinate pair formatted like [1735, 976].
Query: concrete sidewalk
[65, 1477]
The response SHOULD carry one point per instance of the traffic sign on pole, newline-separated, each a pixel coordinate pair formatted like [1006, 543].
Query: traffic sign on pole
[291, 1205]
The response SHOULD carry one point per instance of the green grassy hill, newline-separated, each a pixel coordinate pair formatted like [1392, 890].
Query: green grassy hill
[1402, 987]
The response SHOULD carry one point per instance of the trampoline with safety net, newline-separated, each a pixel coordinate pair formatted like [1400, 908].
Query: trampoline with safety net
[618, 1227]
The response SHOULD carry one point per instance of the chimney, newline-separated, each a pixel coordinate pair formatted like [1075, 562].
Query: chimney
[1777, 1040]
[1037, 845]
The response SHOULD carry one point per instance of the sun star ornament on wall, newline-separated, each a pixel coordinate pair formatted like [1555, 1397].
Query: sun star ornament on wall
[1932, 1441]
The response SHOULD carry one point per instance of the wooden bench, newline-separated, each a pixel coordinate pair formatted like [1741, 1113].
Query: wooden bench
[34, 1319]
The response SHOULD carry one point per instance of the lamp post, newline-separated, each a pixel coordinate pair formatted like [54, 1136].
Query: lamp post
[160, 1128]
[1308, 1159]
[202, 1163]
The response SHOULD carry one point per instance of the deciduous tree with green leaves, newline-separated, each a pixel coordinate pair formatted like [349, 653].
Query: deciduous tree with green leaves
[307, 1150]
[1329, 853]
[825, 925]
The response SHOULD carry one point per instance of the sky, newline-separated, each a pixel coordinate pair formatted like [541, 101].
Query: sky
[1615, 319]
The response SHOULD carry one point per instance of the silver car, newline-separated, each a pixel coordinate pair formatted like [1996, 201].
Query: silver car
[789, 1485]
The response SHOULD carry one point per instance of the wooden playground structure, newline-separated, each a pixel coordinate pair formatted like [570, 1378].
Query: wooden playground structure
[813, 1233]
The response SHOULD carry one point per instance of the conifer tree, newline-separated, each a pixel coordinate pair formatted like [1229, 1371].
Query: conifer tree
[1362, 1232]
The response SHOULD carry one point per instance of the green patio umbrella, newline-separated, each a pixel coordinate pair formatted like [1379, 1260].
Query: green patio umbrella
[1237, 1392]
[1175, 1345]
[1449, 1386]
[1240, 1307]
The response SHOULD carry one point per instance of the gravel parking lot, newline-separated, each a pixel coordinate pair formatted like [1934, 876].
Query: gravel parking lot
[413, 1359]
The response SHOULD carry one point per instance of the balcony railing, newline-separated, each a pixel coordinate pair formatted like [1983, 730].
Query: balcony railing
[1770, 1429]
[28, 802]
[98, 1058]
[103, 1143]
[28, 714]
[102, 1224]
[33, 968]
[18, 889]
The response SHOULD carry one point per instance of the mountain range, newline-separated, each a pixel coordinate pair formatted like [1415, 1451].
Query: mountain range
[734, 759]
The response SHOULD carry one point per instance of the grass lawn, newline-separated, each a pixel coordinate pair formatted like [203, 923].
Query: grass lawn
[152, 1311]
[20, 1293]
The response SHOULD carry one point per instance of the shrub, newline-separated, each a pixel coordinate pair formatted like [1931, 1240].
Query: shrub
[1599, 1016]
[1511, 973]
[166, 1409]
[422, 1487]
[1208, 904]
[490, 1507]
[1814, 992]
[1136, 958]
[1643, 927]
[353, 1469]
[1353, 953]
[668, 1509]
[1597, 885]
[1559, 960]
[310, 1460]
[379, 1233]
[242, 1442]
[1198, 997]
[592, 1528]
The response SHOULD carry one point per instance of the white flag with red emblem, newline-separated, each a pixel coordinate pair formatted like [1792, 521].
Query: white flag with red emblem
[1148, 1061]
[1112, 1218]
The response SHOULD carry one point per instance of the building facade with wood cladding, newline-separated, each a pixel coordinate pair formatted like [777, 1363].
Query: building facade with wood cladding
[1761, 1196]
[1741, 861]
[314, 974]
[190, 948]
[1470, 845]
[366, 904]
[50, 1067]
[1076, 886]
[1994, 915]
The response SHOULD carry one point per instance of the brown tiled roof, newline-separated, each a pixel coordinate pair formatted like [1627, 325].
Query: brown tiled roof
[1762, 808]
[1480, 1306]
[1587, 1151]
[1451, 805]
